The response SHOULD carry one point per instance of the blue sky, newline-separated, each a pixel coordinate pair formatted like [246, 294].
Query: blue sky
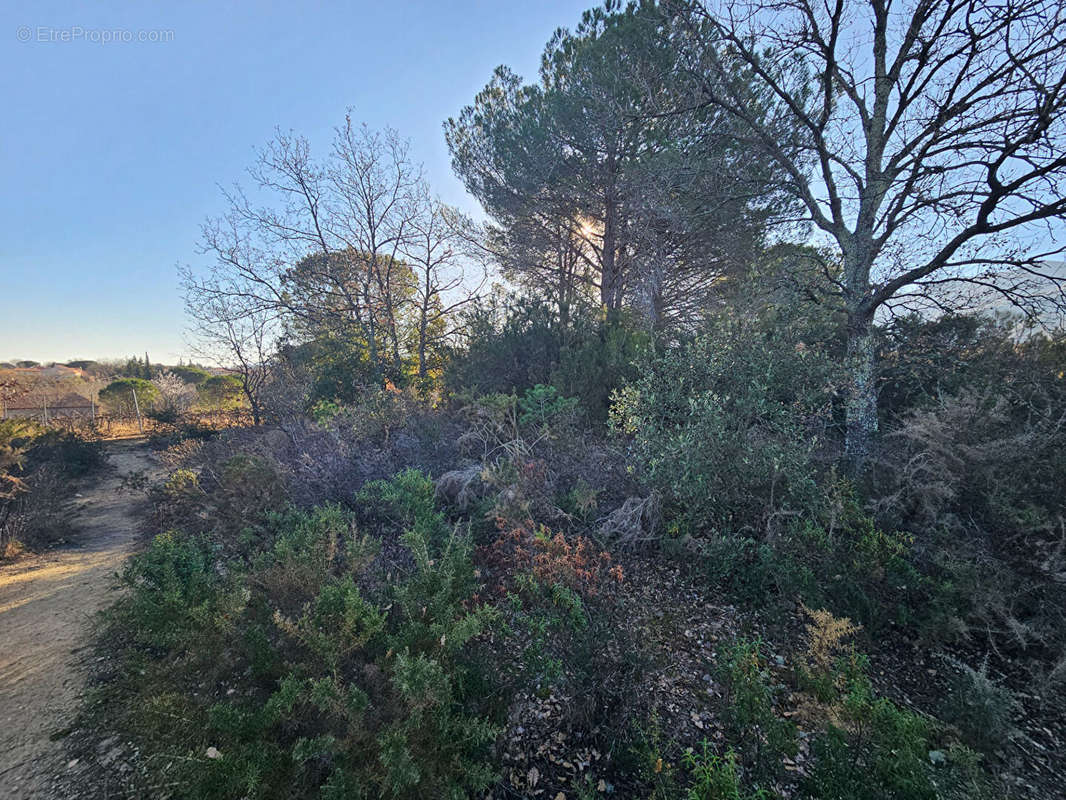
[111, 152]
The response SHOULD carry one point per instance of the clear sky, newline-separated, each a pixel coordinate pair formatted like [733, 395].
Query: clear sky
[111, 152]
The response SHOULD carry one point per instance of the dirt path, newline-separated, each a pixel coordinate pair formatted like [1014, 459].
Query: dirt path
[46, 605]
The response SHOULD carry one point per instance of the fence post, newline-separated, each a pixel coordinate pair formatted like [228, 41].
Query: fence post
[137, 406]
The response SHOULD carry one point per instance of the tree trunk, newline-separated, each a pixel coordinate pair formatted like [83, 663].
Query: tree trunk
[609, 276]
[564, 289]
[253, 403]
[253, 397]
[422, 326]
[610, 280]
[653, 301]
[861, 409]
[372, 340]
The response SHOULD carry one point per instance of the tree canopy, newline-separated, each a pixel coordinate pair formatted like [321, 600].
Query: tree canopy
[600, 189]
[118, 396]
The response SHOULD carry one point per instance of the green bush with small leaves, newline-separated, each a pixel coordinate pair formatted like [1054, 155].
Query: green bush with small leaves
[128, 396]
[726, 426]
[751, 718]
[542, 406]
[872, 748]
[715, 777]
[980, 706]
[882, 751]
[314, 676]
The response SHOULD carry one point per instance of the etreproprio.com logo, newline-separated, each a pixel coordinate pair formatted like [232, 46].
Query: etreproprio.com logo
[78, 33]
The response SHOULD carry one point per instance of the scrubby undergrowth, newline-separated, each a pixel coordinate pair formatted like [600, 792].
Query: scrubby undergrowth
[497, 599]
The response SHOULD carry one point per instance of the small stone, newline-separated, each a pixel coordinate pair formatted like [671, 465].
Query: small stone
[213, 754]
[72, 763]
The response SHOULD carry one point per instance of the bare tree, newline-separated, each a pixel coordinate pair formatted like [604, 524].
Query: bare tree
[930, 146]
[234, 334]
[380, 192]
[324, 248]
[439, 252]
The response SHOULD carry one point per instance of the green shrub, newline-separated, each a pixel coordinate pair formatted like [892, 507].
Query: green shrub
[542, 406]
[14, 436]
[220, 392]
[509, 348]
[725, 426]
[73, 455]
[340, 684]
[834, 555]
[408, 501]
[839, 556]
[190, 373]
[595, 360]
[335, 367]
[36, 465]
[118, 396]
[748, 568]
[750, 717]
[175, 590]
[882, 753]
[307, 548]
[715, 777]
[516, 346]
[872, 748]
[978, 706]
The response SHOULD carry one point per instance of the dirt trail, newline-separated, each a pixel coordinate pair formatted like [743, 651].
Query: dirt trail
[46, 606]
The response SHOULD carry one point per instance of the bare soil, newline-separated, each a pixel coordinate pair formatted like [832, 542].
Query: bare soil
[47, 603]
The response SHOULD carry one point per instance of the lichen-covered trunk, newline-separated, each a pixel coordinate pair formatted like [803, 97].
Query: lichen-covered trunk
[861, 410]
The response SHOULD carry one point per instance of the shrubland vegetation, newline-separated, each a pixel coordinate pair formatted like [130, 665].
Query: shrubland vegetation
[36, 466]
[700, 502]
[48, 440]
